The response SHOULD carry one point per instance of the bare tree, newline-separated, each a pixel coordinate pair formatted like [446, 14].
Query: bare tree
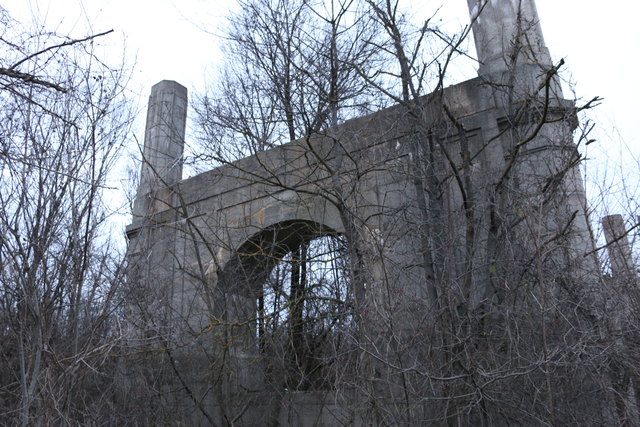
[64, 119]
[291, 71]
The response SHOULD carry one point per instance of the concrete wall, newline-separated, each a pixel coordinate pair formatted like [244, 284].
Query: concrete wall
[188, 237]
[183, 250]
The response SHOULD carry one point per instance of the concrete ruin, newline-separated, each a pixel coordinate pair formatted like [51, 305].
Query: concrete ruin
[200, 248]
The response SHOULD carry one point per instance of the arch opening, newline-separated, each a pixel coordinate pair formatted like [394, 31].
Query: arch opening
[294, 279]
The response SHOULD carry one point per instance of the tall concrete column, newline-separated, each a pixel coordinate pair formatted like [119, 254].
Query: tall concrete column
[163, 144]
[618, 247]
[503, 25]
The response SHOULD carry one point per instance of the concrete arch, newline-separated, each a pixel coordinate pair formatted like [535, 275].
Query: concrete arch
[239, 283]
[248, 267]
[267, 215]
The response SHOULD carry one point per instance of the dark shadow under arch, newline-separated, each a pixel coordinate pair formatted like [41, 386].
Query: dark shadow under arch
[252, 262]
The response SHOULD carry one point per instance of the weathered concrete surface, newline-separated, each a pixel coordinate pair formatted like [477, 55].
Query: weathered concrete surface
[201, 248]
[506, 33]
[163, 146]
[187, 253]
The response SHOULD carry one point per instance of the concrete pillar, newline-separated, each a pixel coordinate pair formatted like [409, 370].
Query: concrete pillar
[500, 26]
[163, 144]
[618, 246]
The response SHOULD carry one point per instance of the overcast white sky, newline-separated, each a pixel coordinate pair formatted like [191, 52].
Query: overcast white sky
[164, 39]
